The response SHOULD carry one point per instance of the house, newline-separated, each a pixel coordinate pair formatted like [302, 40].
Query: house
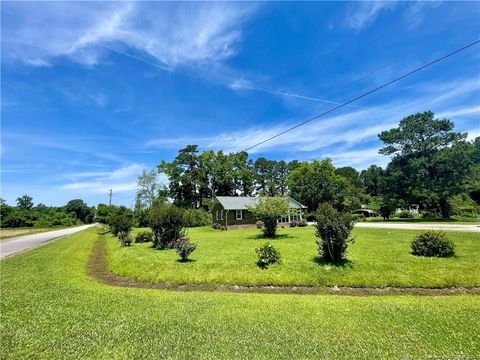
[233, 210]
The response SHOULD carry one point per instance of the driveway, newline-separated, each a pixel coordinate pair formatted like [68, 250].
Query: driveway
[12, 246]
[451, 227]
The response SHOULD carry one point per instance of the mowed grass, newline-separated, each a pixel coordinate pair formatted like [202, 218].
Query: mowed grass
[378, 258]
[50, 309]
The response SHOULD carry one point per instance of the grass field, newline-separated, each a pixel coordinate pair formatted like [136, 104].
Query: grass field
[379, 257]
[50, 309]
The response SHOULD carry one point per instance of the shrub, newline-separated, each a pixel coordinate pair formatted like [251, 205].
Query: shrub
[120, 226]
[184, 248]
[433, 243]
[143, 237]
[167, 223]
[197, 217]
[293, 224]
[269, 210]
[267, 255]
[386, 211]
[125, 238]
[218, 226]
[405, 214]
[259, 225]
[302, 223]
[333, 229]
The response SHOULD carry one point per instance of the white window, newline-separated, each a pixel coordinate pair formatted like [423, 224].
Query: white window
[221, 214]
[217, 214]
[239, 214]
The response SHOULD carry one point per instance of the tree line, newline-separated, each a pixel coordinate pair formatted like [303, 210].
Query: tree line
[431, 165]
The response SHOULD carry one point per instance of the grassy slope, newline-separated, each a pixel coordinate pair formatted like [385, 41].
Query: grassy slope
[51, 309]
[379, 257]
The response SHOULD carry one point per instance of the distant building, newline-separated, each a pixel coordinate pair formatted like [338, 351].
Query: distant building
[233, 210]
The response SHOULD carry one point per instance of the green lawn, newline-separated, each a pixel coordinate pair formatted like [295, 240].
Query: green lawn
[379, 257]
[50, 309]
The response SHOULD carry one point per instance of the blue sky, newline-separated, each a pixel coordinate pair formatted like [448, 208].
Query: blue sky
[92, 93]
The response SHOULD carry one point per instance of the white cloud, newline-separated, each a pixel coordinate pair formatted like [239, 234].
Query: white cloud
[169, 34]
[344, 130]
[362, 14]
[123, 179]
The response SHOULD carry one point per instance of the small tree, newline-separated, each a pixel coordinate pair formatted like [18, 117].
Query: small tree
[386, 209]
[333, 229]
[184, 248]
[167, 223]
[269, 210]
[121, 225]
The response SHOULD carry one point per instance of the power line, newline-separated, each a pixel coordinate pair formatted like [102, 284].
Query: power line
[364, 94]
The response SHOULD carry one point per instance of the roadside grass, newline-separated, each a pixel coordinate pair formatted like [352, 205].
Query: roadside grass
[50, 309]
[452, 221]
[378, 258]
[9, 233]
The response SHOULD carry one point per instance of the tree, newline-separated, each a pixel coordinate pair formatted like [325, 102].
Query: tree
[264, 178]
[24, 202]
[269, 210]
[184, 177]
[431, 162]
[371, 180]
[243, 174]
[81, 210]
[167, 224]
[148, 188]
[316, 182]
[333, 230]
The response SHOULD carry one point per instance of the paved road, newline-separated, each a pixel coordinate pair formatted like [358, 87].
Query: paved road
[9, 247]
[451, 227]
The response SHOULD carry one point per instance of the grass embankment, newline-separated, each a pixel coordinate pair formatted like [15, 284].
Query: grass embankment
[51, 309]
[378, 258]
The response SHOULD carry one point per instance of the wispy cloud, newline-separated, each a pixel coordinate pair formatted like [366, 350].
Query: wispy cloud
[166, 34]
[362, 14]
[345, 130]
[123, 179]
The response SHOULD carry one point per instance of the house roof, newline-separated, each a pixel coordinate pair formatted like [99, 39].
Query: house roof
[243, 202]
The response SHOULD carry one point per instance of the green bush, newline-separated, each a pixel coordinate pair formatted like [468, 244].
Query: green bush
[405, 214]
[302, 223]
[168, 224]
[144, 237]
[333, 229]
[184, 248]
[267, 255]
[125, 238]
[293, 224]
[218, 226]
[197, 217]
[121, 223]
[433, 244]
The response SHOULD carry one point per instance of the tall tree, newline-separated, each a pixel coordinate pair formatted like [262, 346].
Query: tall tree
[81, 210]
[24, 202]
[184, 177]
[148, 188]
[371, 180]
[430, 162]
[243, 174]
[316, 182]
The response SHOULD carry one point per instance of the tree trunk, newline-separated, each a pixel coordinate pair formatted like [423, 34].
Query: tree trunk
[444, 208]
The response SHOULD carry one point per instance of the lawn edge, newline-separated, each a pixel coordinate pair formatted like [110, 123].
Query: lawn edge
[97, 267]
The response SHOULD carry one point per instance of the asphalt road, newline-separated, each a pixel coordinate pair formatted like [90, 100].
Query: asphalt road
[12, 246]
[405, 226]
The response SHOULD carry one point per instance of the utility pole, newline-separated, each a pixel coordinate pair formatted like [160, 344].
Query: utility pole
[110, 201]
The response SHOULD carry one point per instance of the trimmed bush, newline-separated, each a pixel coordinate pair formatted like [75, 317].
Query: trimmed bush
[125, 238]
[168, 224]
[406, 215]
[302, 223]
[267, 255]
[120, 226]
[197, 217]
[184, 248]
[433, 244]
[144, 237]
[218, 226]
[333, 229]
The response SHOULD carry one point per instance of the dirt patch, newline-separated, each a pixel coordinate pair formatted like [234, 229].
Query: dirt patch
[98, 269]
